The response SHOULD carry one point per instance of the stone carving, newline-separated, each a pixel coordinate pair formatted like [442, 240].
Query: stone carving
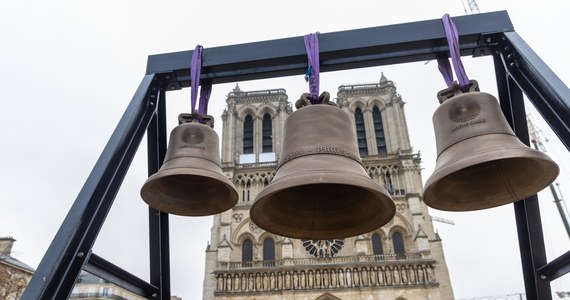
[237, 217]
[253, 228]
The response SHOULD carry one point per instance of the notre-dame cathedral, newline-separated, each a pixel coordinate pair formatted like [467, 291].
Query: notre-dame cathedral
[401, 260]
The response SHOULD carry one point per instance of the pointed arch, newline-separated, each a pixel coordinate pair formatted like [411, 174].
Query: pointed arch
[360, 131]
[379, 130]
[267, 133]
[398, 244]
[377, 248]
[248, 134]
[268, 252]
[247, 252]
[327, 296]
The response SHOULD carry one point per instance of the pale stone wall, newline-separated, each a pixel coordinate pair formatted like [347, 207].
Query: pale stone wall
[419, 274]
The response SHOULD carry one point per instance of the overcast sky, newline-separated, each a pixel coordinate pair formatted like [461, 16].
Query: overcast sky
[68, 69]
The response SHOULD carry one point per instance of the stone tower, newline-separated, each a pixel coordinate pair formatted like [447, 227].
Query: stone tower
[401, 260]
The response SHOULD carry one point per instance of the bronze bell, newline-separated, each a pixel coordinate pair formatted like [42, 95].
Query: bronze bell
[480, 162]
[190, 182]
[320, 189]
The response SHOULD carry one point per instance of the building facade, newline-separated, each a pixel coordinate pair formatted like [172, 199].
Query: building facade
[401, 260]
[14, 274]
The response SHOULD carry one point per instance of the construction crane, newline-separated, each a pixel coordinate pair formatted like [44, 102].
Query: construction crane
[442, 220]
[560, 205]
[471, 5]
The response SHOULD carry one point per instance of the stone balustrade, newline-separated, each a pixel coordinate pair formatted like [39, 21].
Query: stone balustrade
[345, 272]
[338, 260]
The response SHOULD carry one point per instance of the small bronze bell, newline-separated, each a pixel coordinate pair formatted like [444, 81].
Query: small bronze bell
[480, 162]
[320, 189]
[190, 182]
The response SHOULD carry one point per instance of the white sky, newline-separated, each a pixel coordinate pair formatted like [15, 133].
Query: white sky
[69, 69]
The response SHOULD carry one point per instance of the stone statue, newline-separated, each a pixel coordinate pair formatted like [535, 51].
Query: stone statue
[364, 276]
[220, 283]
[228, 283]
[236, 282]
[381, 276]
[272, 281]
[334, 281]
[295, 280]
[404, 274]
[355, 277]
[420, 274]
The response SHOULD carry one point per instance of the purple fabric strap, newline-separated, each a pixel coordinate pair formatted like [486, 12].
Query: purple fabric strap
[206, 89]
[443, 63]
[312, 47]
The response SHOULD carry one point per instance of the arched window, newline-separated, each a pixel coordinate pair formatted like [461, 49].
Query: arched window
[267, 134]
[399, 248]
[247, 253]
[248, 135]
[377, 244]
[360, 131]
[268, 252]
[379, 131]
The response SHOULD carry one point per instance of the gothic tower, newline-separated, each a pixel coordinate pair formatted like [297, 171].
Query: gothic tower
[401, 260]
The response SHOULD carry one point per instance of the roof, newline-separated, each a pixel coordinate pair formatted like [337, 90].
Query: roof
[9, 260]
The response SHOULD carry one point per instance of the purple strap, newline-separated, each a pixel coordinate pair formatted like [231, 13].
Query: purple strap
[206, 89]
[205, 92]
[312, 47]
[195, 69]
[443, 63]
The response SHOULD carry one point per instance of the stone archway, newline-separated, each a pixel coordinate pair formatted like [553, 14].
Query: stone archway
[327, 296]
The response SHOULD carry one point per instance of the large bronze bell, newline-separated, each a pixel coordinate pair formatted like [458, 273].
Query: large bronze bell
[190, 182]
[481, 163]
[320, 189]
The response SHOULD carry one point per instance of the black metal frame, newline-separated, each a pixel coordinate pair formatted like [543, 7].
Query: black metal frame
[518, 69]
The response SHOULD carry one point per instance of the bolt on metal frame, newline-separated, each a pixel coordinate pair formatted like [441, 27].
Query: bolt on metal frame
[518, 70]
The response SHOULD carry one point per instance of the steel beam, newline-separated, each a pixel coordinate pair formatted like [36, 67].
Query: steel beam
[158, 221]
[368, 47]
[72, 244]
[544, 89]
[527, 211]
[114, 274]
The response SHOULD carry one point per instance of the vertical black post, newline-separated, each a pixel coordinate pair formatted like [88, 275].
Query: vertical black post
[527, 212]
[158, 221]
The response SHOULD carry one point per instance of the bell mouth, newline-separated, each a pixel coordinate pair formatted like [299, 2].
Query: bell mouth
[487, 171]
[324, 206]
[189, 192]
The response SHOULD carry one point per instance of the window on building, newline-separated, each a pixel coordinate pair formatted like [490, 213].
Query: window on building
[268, 252]
[267, 134]
[377, 244]
[248, 135]
[360, 131]
[379, 130]
[399, 248]
[247, 253]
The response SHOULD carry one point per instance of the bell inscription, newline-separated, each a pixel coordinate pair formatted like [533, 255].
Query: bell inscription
[464, 110]
[320, 150]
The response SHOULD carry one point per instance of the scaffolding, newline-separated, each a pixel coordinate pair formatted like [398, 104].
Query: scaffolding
[517, 68]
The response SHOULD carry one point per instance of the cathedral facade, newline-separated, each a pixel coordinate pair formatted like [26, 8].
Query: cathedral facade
[402, 260]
